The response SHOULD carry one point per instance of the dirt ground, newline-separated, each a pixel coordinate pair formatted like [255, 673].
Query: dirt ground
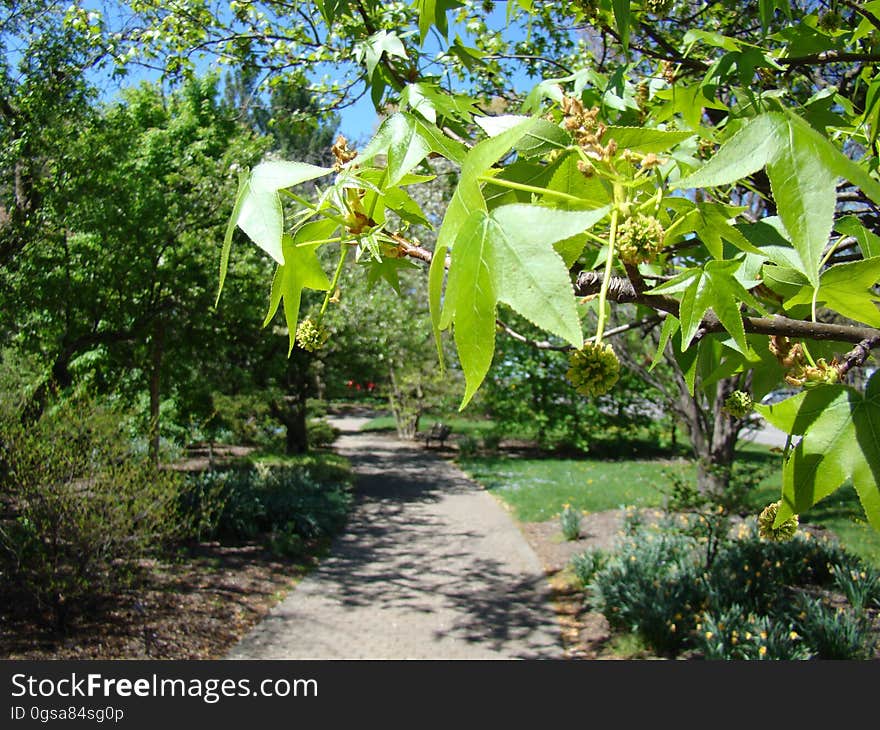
[196, 607]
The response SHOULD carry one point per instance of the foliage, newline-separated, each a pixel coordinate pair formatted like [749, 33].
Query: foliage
[585, 565]
[736, 634]
[79, 509]
[321, 433]
[286, 506]
[768, 115]
[570, 522]
[756, 599]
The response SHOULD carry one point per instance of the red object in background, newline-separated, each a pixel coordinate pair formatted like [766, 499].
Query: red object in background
[370, 386]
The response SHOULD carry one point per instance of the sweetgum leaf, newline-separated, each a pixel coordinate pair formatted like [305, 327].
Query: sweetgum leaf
[258, 210]
[507, 256]
[301, 270]
[803, 167]
[841, 441]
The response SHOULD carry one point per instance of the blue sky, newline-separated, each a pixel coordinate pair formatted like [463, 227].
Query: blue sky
[358, 121]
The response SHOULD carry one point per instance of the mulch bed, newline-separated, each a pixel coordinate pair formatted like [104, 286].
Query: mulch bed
[196, 607]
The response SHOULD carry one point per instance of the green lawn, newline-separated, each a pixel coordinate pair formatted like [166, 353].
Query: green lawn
[537, 489]
[458, 425]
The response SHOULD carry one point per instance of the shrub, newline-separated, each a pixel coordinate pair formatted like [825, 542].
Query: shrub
[834, 633]
[492, 440]
[585, 565]
[737, 634]
[859, 583]
[321, 434]
[80, 510]
[273, 502]
[467, 446]
[570, 522]
[753, 601]
[652, 584]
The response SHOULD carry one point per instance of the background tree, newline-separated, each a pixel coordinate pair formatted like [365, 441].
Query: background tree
[767, 113]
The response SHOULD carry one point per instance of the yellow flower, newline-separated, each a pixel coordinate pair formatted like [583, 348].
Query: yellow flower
[762, 651]
[748, 635]
[709, 634]
[794, 635]
[763, 635]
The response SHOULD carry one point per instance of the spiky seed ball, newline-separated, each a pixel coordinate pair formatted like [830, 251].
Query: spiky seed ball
[659, 7]
[766, 519]
[739, 404]
[594, 369]
[830, 21]
[639, 239]
[311, 335]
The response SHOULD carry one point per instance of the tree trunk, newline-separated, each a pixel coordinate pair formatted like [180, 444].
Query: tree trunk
[156, 352]
[407, 401]
[291, 409]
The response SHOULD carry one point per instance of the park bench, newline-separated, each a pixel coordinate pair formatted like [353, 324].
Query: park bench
[439, 432]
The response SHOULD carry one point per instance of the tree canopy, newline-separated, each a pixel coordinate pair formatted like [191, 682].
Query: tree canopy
[711, 166]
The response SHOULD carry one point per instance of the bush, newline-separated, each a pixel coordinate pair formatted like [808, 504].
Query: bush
[652, 584]
[273, 502]
[738, 634]
[321, 434]
[585, 565]
[570, 522]
[79, 510]
[754, 599]
[468, 446]
[834, 633]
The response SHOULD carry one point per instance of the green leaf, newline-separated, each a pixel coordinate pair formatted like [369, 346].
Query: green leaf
[622, 20]
[371, 50]
[848, 289]
[301, 270]
[433, 13]
[645, 140]
[466, 198]
[869, 242]
[388, 269]
[407, 141]
[840, 441]
[803, 167]
[542, 138]
[507, 256]
[258, 210]
[671, 325]
[714, 286]
[594, 192]
[240, 194]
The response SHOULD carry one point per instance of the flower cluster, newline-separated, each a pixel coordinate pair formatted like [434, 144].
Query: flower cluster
[799, 371]
[587, 130]
[594, 369]
[639, 239]
[311, 335]
[785, 531]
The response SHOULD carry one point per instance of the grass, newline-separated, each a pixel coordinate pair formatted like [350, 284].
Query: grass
[458, 425]
[537, 489]
[325, 466]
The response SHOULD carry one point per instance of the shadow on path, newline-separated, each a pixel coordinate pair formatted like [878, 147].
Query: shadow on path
[430, 566]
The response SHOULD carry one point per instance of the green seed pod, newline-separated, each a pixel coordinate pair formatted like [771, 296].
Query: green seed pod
[639, 239]
[659, 7]
[594, 369]
[739, 404]
[311, 335]
[766, 519]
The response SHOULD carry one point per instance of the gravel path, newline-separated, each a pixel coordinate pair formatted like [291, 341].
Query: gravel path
[430, 567]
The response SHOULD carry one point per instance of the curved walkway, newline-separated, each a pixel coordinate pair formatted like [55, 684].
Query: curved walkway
[430, 567]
